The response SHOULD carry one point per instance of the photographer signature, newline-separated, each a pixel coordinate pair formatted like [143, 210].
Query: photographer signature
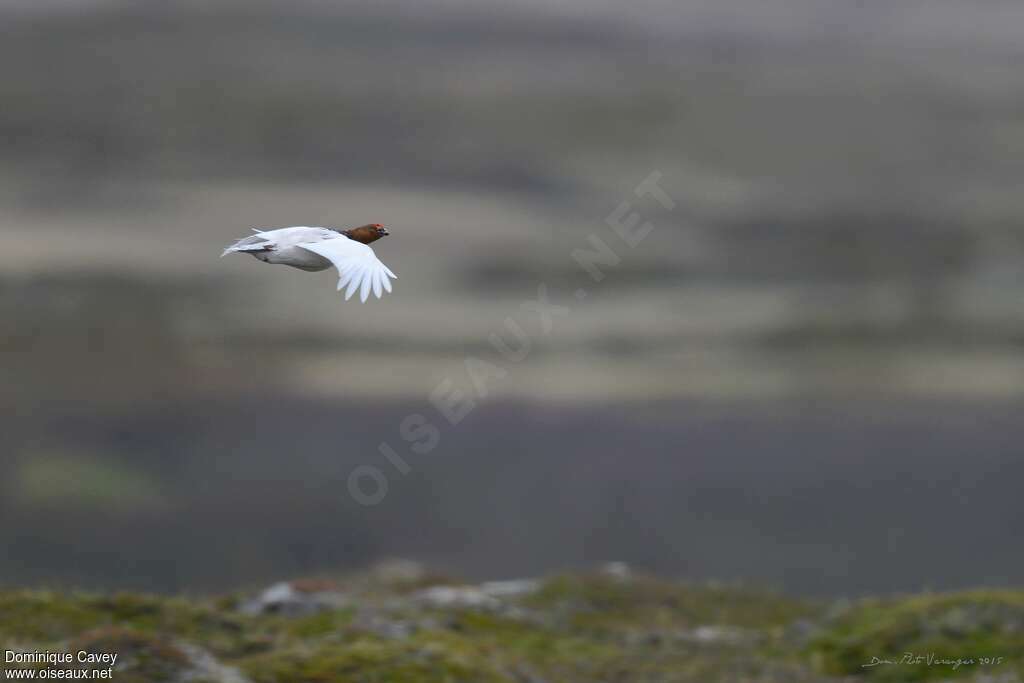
[931, 659]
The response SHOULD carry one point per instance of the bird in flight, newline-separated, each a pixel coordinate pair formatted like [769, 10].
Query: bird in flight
[316, 249]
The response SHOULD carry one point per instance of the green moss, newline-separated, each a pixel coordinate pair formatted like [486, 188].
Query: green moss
[520, 640]
[374, 661]
[968, 625]
[599, 601]
[315, 625]
[47, 617]
[36, 617]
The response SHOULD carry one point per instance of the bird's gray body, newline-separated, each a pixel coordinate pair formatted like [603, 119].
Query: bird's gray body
[296, 257]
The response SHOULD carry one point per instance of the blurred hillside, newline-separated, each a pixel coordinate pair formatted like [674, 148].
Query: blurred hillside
[810, 373]
[848, 211]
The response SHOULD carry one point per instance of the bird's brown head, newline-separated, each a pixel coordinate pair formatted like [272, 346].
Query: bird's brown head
[367, 233]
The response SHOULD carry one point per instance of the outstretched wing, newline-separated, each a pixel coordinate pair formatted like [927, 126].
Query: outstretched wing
[358, 267]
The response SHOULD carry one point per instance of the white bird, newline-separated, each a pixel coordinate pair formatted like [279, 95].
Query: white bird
[315, 249]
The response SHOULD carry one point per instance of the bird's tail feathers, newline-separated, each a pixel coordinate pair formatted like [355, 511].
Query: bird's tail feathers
[250, 243]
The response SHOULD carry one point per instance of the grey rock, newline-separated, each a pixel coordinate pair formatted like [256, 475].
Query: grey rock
[456, 596]
[291, 599]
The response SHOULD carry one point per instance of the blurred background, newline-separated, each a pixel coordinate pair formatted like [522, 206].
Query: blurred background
[808, 376]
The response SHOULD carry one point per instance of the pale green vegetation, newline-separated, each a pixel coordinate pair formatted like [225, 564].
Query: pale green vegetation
[569, 628]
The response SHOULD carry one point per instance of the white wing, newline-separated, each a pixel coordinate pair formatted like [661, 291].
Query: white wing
[358, 267]
[279, 238]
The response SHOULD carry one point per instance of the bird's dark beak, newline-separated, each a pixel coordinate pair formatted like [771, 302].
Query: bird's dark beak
[384, 231]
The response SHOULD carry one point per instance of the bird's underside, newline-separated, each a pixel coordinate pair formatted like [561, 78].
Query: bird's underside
[313, 249]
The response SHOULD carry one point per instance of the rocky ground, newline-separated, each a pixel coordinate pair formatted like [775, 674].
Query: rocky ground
[401, 623]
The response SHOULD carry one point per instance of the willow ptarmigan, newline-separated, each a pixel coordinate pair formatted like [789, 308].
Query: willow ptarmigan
[319, 248]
